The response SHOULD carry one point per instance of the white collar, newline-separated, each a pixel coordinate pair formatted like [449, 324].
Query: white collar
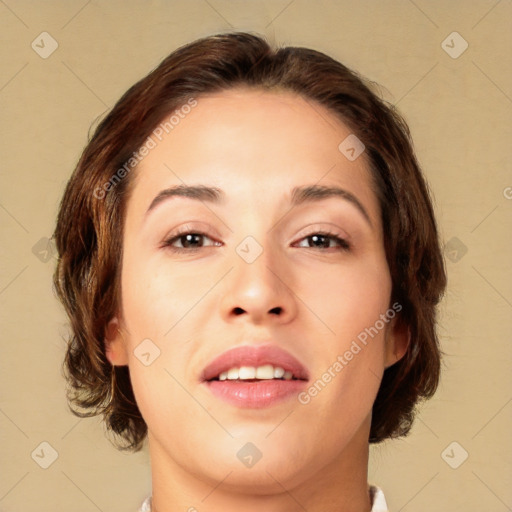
[378, 501]
[376, 495]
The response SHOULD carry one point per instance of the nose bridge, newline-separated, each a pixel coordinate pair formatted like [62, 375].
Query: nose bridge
[257, 284]
[258, 263]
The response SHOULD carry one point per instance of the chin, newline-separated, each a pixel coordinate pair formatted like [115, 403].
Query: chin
[263, 478]
[262, 467]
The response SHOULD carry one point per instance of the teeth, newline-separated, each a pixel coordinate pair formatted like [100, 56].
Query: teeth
[278, 372]
[232, 374]
[246, 372]
[265, 372]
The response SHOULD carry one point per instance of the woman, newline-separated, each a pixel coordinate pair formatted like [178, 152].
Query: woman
[250, 262]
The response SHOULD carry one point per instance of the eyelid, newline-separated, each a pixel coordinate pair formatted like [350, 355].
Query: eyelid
[185, 230]
[317, 227]
[193, 227]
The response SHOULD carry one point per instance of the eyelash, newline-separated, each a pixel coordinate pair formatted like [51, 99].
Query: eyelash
[343, 244]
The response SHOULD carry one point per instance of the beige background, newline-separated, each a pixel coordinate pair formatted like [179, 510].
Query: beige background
[459, 111]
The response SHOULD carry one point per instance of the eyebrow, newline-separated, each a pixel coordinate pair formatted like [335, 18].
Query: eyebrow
[198, 192]
[312, 193]
[299, 195]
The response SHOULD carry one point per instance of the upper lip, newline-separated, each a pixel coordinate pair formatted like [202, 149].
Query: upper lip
[254, 355]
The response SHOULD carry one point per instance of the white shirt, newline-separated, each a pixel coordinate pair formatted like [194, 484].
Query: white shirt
[376, 496]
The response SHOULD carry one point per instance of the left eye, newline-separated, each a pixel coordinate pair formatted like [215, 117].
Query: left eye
[324, 239]
[189, 241]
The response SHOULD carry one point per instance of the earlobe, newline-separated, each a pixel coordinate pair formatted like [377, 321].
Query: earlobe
[398, 339]
[115, 347]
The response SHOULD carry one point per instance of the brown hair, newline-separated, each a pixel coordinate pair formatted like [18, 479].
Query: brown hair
[89, 227]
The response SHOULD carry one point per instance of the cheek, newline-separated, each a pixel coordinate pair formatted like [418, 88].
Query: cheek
[156, 298]
[159, 310]
[349, 352]
[348, 298]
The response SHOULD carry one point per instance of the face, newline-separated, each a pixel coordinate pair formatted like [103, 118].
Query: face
[254, 268]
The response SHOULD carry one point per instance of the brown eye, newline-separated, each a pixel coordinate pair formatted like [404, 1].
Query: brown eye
[192, 240]
[189, 241]
[322, 240]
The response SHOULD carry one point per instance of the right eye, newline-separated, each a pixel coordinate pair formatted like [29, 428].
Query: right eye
[324, 239]
[189, 240]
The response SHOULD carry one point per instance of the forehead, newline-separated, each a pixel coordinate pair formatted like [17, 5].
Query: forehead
[261, 121]
[254, 144]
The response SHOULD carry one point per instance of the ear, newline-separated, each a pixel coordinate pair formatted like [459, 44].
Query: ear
[397, 340]
[115, 346]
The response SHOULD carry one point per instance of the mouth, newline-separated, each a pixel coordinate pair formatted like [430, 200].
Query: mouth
[255, 376]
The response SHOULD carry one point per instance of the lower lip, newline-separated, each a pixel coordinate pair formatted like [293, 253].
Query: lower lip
[257, 394]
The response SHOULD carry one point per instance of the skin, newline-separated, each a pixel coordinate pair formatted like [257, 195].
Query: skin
[255, 146]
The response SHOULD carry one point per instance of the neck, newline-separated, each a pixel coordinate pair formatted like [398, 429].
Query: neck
[339, 486]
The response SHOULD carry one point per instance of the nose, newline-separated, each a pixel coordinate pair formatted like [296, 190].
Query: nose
[261, 291]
